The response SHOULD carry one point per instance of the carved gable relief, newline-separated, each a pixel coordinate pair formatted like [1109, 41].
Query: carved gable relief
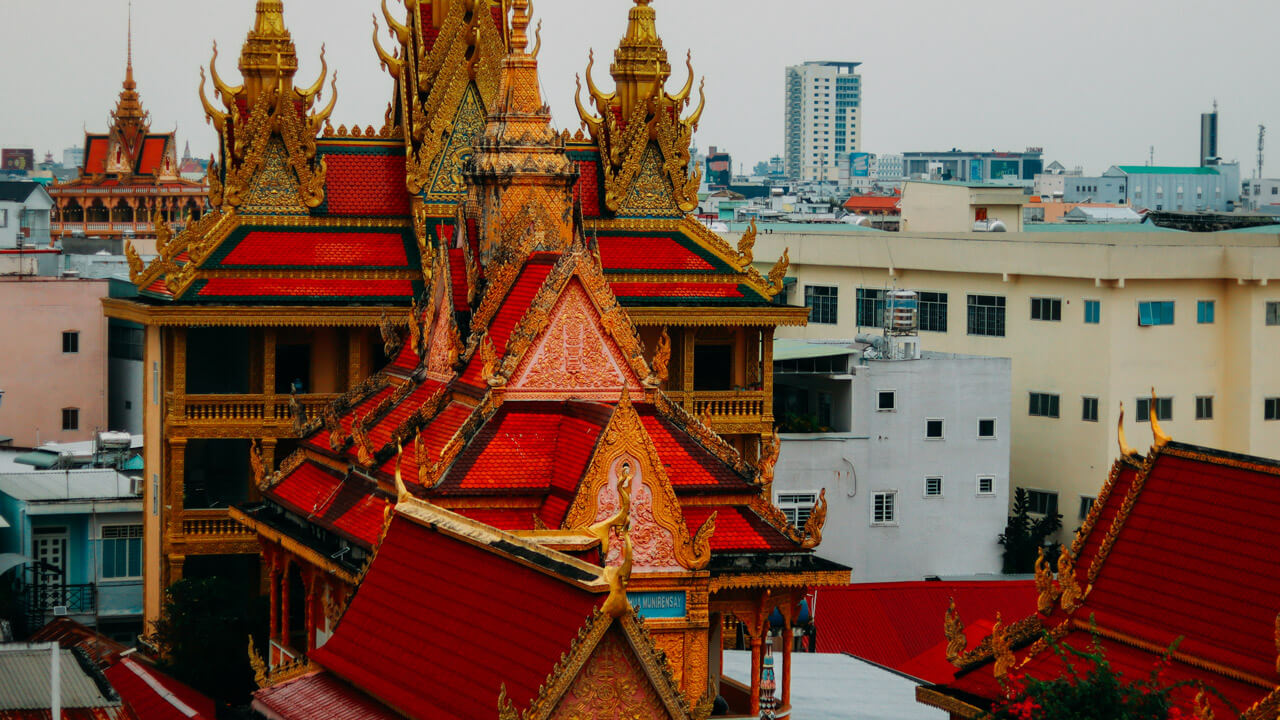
[274, 189]
[653, 545]
[459, 143]
[574, 357]
[612, 684]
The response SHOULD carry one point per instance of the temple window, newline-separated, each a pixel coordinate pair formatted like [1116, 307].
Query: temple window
[293, 369]
[217, 473]
[712, 367]
[217, 361]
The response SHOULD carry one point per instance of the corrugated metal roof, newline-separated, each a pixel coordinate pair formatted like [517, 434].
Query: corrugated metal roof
[799, 349]
[27, 684]
[54, 485]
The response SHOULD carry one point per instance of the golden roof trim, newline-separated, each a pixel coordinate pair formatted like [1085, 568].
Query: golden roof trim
[216, 315]
[814, 578]
[926, 695]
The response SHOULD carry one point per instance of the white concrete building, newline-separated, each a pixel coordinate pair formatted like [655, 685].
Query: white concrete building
[888, 167]
[913, 455]
[823, 119]
[1262, 195]
[24, 214]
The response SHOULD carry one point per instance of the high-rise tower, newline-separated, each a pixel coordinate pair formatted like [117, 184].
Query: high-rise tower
[823, 118]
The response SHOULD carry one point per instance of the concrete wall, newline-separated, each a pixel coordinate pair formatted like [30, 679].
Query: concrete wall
[954, 534]
[951, 207]
[1116, 360]
[37, 378]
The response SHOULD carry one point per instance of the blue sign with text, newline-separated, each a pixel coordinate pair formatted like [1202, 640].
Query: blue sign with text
[658, 604]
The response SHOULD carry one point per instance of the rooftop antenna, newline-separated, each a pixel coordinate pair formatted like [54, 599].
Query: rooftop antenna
[1262, 136]
[1151, 157]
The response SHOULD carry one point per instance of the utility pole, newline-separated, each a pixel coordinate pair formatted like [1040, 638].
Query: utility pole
[1262, 137]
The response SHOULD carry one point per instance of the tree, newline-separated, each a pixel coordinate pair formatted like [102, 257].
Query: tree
[1024, 535]
[203, 636]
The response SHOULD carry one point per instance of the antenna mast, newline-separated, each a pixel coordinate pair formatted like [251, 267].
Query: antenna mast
[1262, 136]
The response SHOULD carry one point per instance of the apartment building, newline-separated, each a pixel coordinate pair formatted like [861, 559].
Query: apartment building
[823, 119]
[1091, 318]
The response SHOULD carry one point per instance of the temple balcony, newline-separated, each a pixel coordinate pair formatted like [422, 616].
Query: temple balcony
[730, 411]
[248, 411]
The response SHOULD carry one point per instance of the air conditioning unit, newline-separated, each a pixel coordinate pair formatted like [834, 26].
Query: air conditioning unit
[135, 485]
[60, 611]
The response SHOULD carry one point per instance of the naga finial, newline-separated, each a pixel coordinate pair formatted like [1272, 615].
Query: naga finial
[1157, 433]
[1000, 649]
[1125, 449]
[402, 490]
[778, 274]
[1044, 585]
[603, 530]
[661, 365]
[813, 526]
[618, 577]
[1068, 585]
[953, 628]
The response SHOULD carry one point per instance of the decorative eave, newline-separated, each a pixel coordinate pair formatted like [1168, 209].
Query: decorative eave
[930, 695]
[271, 534]
[243, 316]
[692, 316]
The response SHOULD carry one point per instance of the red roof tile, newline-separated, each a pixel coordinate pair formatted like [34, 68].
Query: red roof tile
[500, 623]
[96, 157]
[458, 277]
[737, 529]
[319, 696]
[305, 489]
[677, 290]
[304, 288]
[365, 184]
[152, 155]
[283, 248]
[649, 253]
[355, 511]
[880, 204]
[513, 308]
[152, 695]
[892, 624]
[380, 434]
[687, 463]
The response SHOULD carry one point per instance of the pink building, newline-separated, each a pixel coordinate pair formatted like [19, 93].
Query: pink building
[53, 370]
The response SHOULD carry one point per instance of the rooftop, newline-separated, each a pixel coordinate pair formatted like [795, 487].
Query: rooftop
[64, 485]
[1167, 170]
[27, 685]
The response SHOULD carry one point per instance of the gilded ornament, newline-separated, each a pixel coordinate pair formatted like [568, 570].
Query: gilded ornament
[360, 433]
[402, 490]
[1158, 434]
[618, 577]
[746, 246]
[1125, 449]
[164, 233]
[1068, 585]
[662, 358]
[390, 336]
[769, 453]
[259, 666]
[489, 361]
[953, 628]
[1277, 642]
[415, 328]
[257, 465]
[136, 266]
[214, 179]
[1000, 649]
[813, 526]
[1044, 585]
[619, 521]
[779, 272]
[1202, 711]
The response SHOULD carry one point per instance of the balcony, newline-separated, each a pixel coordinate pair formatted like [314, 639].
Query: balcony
[253, 411]
[730, 411]
[213, 532]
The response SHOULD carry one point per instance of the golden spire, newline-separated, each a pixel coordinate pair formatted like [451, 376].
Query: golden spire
[268, 60]
[129, 117]
[640, 66]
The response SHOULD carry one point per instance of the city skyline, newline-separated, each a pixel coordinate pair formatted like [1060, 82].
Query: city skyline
[1083, 106]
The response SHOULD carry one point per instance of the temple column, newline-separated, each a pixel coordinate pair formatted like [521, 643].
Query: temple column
[284, 605]
[175, 567]
[269, 365]
[757, 655]
[786, 655]
[354, 358]
[309, 582]
[178, 404]
[176, 485]
[686, 366]
[274, 595]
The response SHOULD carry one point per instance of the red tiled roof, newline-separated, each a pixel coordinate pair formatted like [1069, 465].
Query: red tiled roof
[340, 248]
[95, 159]
[438, 432]
[319, 696]
[588, 188]
[649, 253]
[542, 446]
[380, 434]
[503, 519]
[458, 277]
[444, 655]
[250, 288]
[687, 463]
[356, 511]
[513, 308]
[737, 529]
[152, 155]
[677, 290]
[880, 204]
[306, 488]
[151, 695]
[893, 624]
[365, 184]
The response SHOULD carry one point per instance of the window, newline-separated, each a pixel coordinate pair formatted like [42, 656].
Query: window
[1090, 411]
[986, 428]
[933, 429]
[1164, 409]
[1155, 313]
[933, 311]
[125, 343]
[1044, 405]
[1092, 312]
[986, 486]
[70, 418]
[1047, 309]
[797, 506]
[933, 487]
[1043, 503]
[1204, 312]
[1271, 408]
[1273, 313]
[986, 315]
[870, 307]
[121, 551]
[1204, 407]
[821, 301]
[882, 508]
[1086, 504]
[71, 342]
[887, 401]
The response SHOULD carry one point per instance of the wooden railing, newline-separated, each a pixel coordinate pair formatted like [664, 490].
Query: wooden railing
[212, 524]
[231, 409]
[730, 411]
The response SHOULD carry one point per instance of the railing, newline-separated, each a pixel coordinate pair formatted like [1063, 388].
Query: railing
[208, 524]
[731, 406]
[224, 409]
[77, 599]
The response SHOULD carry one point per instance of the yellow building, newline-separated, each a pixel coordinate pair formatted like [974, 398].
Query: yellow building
[1090, 319]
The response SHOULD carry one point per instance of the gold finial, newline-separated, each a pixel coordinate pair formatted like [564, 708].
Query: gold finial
[662, 357]
[402, 490]
[136, 266]
[390, 335]
[518, 37]
[1044, 585]
[778, 274]
[268, 59]
[1068, 585]
[1158, 434]
[1203, 711]
[1000, 649]
[813, 526]
[602, 530]
[769, 453]
[360, 433]
[256, 464]
[488, 360]
[619, 576]
[953, 628]
[1125, 450]
[747, 244]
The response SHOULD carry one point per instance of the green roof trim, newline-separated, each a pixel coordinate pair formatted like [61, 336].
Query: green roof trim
[1167, 170]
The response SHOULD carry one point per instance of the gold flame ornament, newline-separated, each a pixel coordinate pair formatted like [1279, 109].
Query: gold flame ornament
[1125, 449]
[953, 628]
[1047, 595]
[1157, 433]
[1000, 649]
[1068, 585]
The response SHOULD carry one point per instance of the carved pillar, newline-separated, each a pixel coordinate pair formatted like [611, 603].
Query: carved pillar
[268, 464]
[766, 371]
[269, 365]
[354, 358]
[757, 654]
[284, 604]
[273, 593]
[175, 568]
[686, 366]
[309, 582]
[786, 657]
[178, 406]
[175, 490]
[741, 358]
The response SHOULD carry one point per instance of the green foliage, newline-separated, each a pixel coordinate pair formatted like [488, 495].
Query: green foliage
[203, 636]
[796, 423]
[1090, 689]
[1024, 535]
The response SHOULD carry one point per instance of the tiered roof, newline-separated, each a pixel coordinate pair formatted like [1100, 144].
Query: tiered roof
[1177, 546]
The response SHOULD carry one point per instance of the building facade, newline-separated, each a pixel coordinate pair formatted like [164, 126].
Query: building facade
[24, 214]
[1263, 195]
[1090, 320]
[965, 166]
[914, 455]
[1214, 188]
[823, 119]
[54, 378]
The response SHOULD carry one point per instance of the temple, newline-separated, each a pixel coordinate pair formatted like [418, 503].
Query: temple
[131, 181]
[471, 360]
[1172, 561]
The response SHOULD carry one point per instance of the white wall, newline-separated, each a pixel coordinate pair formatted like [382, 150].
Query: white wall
[954, 534]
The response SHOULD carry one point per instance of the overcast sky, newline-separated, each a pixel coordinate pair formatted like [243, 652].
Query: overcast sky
[1094, 82]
